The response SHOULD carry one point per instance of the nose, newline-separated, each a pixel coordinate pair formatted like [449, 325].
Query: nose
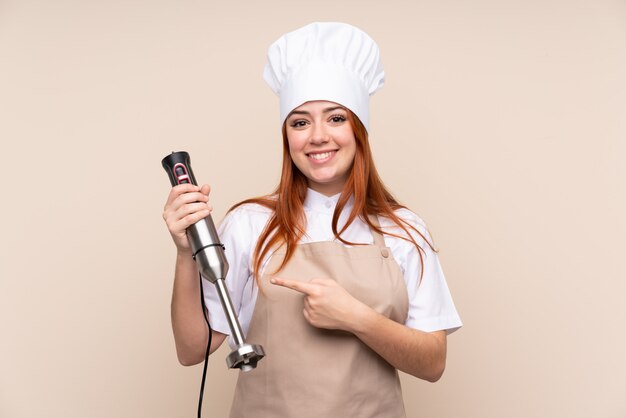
[319, 135]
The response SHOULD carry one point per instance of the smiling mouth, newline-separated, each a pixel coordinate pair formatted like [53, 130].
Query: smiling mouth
[321, 155]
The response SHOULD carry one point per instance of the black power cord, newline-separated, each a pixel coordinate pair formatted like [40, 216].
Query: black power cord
[208, 348]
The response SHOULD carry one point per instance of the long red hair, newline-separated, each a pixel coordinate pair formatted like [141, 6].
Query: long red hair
[287, 224]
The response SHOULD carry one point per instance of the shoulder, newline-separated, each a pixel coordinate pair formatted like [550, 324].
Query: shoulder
[398, 238]
[242, 226]
[251, 209]
[409, 219]
[248, 214]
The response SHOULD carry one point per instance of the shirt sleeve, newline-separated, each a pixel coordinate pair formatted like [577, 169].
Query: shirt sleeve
[236, 235]
[431, 307]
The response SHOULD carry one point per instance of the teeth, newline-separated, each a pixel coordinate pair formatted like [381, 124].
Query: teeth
[320, 156]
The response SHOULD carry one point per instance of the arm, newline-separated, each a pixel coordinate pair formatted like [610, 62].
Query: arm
[186, 205]
[421, 354]
[190, 330]
[328, 305]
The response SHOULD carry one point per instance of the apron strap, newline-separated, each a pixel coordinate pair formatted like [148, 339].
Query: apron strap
[379, 240]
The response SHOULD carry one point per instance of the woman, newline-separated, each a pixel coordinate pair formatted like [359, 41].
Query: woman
[337, 281]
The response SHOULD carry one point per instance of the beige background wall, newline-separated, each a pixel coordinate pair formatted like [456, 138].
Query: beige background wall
[503, 123]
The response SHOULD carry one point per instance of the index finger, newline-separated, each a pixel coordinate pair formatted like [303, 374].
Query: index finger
[305, 288]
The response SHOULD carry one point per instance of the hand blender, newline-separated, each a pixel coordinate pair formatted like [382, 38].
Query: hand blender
[209, 255]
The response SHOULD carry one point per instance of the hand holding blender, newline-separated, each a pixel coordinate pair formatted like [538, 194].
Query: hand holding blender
[209, 255]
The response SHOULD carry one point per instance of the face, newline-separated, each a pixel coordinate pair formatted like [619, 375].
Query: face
[321, 144]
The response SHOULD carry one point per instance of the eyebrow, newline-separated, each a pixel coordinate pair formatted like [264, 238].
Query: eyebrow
[304, 112]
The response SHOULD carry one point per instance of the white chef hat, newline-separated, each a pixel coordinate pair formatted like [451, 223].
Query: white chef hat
[325, 61]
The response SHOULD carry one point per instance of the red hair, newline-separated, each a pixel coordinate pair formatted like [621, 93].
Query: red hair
[287, 224]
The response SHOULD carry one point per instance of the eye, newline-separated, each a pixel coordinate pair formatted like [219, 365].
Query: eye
[337, 118]
[298, 123]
